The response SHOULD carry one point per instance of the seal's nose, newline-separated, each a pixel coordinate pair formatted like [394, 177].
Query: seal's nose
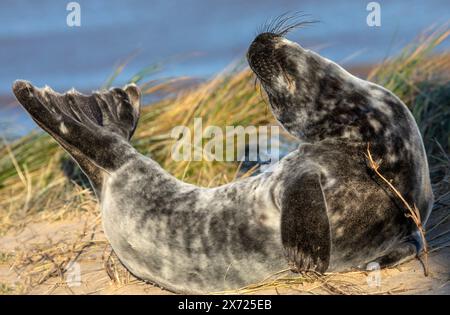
[264, 43]
[266, 38]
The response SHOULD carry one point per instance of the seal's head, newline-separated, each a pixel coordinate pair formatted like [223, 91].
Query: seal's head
[277, 62]
[312, 97]
[290, 75]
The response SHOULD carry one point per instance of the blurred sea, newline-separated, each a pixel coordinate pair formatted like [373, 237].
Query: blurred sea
[189, 37]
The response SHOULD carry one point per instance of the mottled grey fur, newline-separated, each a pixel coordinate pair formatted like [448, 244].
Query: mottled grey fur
[337, 115]
[321, 207]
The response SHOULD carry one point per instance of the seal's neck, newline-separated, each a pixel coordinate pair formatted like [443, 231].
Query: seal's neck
[326, 102]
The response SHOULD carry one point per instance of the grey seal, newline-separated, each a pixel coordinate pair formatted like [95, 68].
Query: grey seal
[337, 116]
[181, 237]
[320, 208]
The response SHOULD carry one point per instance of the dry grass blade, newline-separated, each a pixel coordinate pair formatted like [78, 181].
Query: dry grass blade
[413, 212]
[309, 282]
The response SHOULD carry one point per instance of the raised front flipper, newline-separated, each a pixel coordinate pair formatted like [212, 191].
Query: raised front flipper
[305, 229]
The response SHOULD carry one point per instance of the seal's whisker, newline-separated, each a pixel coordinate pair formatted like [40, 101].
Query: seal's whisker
[285, 23]
[261, 93]
[285, 19]
[278, 22]
[269, 24]
[296, 21]
[292, 27]
[262, 27]
[258, 87]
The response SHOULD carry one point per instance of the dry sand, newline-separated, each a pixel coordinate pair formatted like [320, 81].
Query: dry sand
[35, 260]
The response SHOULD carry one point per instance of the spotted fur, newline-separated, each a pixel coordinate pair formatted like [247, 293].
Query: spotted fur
[182, 237]
[320, 208]
[337, 115]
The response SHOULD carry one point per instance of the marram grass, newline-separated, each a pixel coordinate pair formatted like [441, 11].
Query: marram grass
[39, 182]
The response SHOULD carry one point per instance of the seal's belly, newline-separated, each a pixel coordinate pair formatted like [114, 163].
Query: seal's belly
[211, 239]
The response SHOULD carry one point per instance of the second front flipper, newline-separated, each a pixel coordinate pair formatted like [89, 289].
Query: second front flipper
[305, 229]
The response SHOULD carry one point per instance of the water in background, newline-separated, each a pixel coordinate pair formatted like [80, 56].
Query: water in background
[191, 37]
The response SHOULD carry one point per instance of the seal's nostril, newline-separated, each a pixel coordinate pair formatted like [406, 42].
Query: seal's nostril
[266, 38]
[262, 42]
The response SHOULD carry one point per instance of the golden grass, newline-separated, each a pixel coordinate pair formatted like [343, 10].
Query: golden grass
[34, 185]
[46, 260]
